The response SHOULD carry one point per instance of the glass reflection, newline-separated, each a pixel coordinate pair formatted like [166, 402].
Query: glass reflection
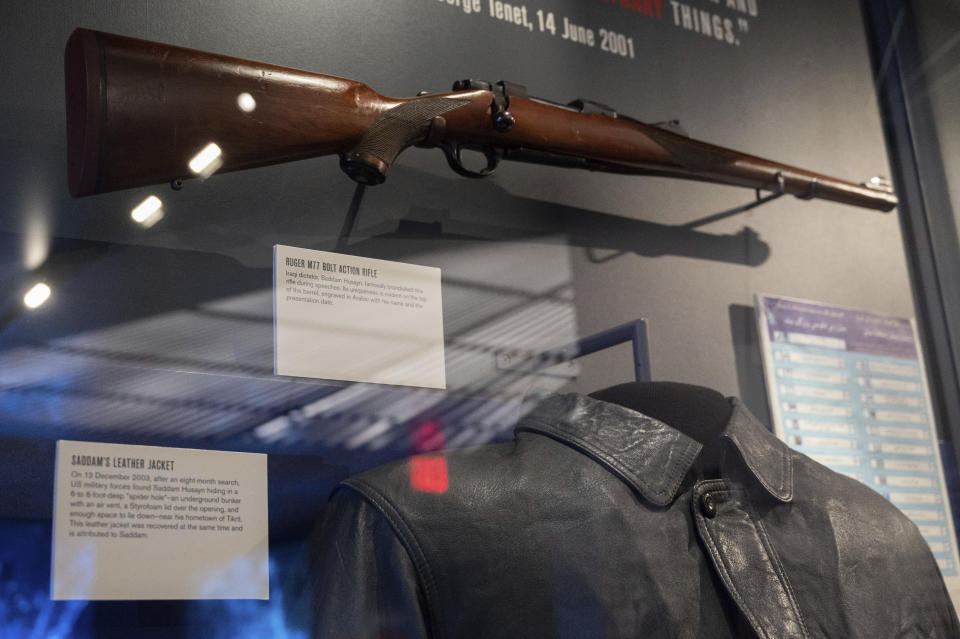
[36, 241]
[428, 474]
[36, 295]
[206, 161]
[246, 103]
[148, 212]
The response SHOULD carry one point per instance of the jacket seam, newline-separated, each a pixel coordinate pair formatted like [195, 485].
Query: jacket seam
[778, 567]
[726, 571]
[410, 542]
[622, 469]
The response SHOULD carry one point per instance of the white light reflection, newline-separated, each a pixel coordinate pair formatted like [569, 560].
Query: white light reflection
[36, 295]
[246, 103]
[274, 429]
[36, 241]
[206, 161]
[148, 212]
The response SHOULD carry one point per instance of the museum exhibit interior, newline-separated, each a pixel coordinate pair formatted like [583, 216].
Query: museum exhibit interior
[480, 319]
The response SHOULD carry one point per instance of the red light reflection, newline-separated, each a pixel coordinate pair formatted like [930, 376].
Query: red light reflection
[428, 474]
[426, 438]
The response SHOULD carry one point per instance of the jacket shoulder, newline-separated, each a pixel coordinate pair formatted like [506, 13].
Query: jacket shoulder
[851, 505]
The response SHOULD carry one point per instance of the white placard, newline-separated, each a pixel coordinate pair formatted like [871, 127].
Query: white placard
[356, 319]
[149, 522]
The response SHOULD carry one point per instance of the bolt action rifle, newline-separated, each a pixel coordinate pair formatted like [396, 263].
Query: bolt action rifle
[138, 112]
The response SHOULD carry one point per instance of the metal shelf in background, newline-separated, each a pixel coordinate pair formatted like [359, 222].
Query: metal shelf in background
[634, 332]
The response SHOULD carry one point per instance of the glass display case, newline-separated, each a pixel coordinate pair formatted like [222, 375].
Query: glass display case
[474, 318]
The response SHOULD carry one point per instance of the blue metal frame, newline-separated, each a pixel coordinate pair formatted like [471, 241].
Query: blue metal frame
[634, 332]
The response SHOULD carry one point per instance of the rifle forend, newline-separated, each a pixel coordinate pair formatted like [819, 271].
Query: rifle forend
[139, 111]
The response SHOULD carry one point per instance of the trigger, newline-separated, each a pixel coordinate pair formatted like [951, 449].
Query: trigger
[454, 154]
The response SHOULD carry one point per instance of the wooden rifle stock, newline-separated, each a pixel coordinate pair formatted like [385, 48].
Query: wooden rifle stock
[139, 111]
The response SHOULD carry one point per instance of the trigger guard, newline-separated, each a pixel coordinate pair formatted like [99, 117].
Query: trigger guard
[454, 152]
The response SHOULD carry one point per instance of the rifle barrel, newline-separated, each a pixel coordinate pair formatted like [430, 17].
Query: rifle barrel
[623, 145]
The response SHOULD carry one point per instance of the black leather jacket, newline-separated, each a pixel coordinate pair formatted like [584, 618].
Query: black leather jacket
[596, 522]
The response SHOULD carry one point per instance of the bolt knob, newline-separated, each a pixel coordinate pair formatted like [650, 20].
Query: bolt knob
[504, 121]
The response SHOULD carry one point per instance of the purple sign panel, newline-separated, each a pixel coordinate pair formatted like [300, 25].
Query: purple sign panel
[861, 331]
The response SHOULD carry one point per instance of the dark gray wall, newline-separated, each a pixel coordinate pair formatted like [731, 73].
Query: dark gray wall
[797, 88]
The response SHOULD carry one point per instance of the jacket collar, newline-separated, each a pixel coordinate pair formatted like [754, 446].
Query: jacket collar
[651, 456]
